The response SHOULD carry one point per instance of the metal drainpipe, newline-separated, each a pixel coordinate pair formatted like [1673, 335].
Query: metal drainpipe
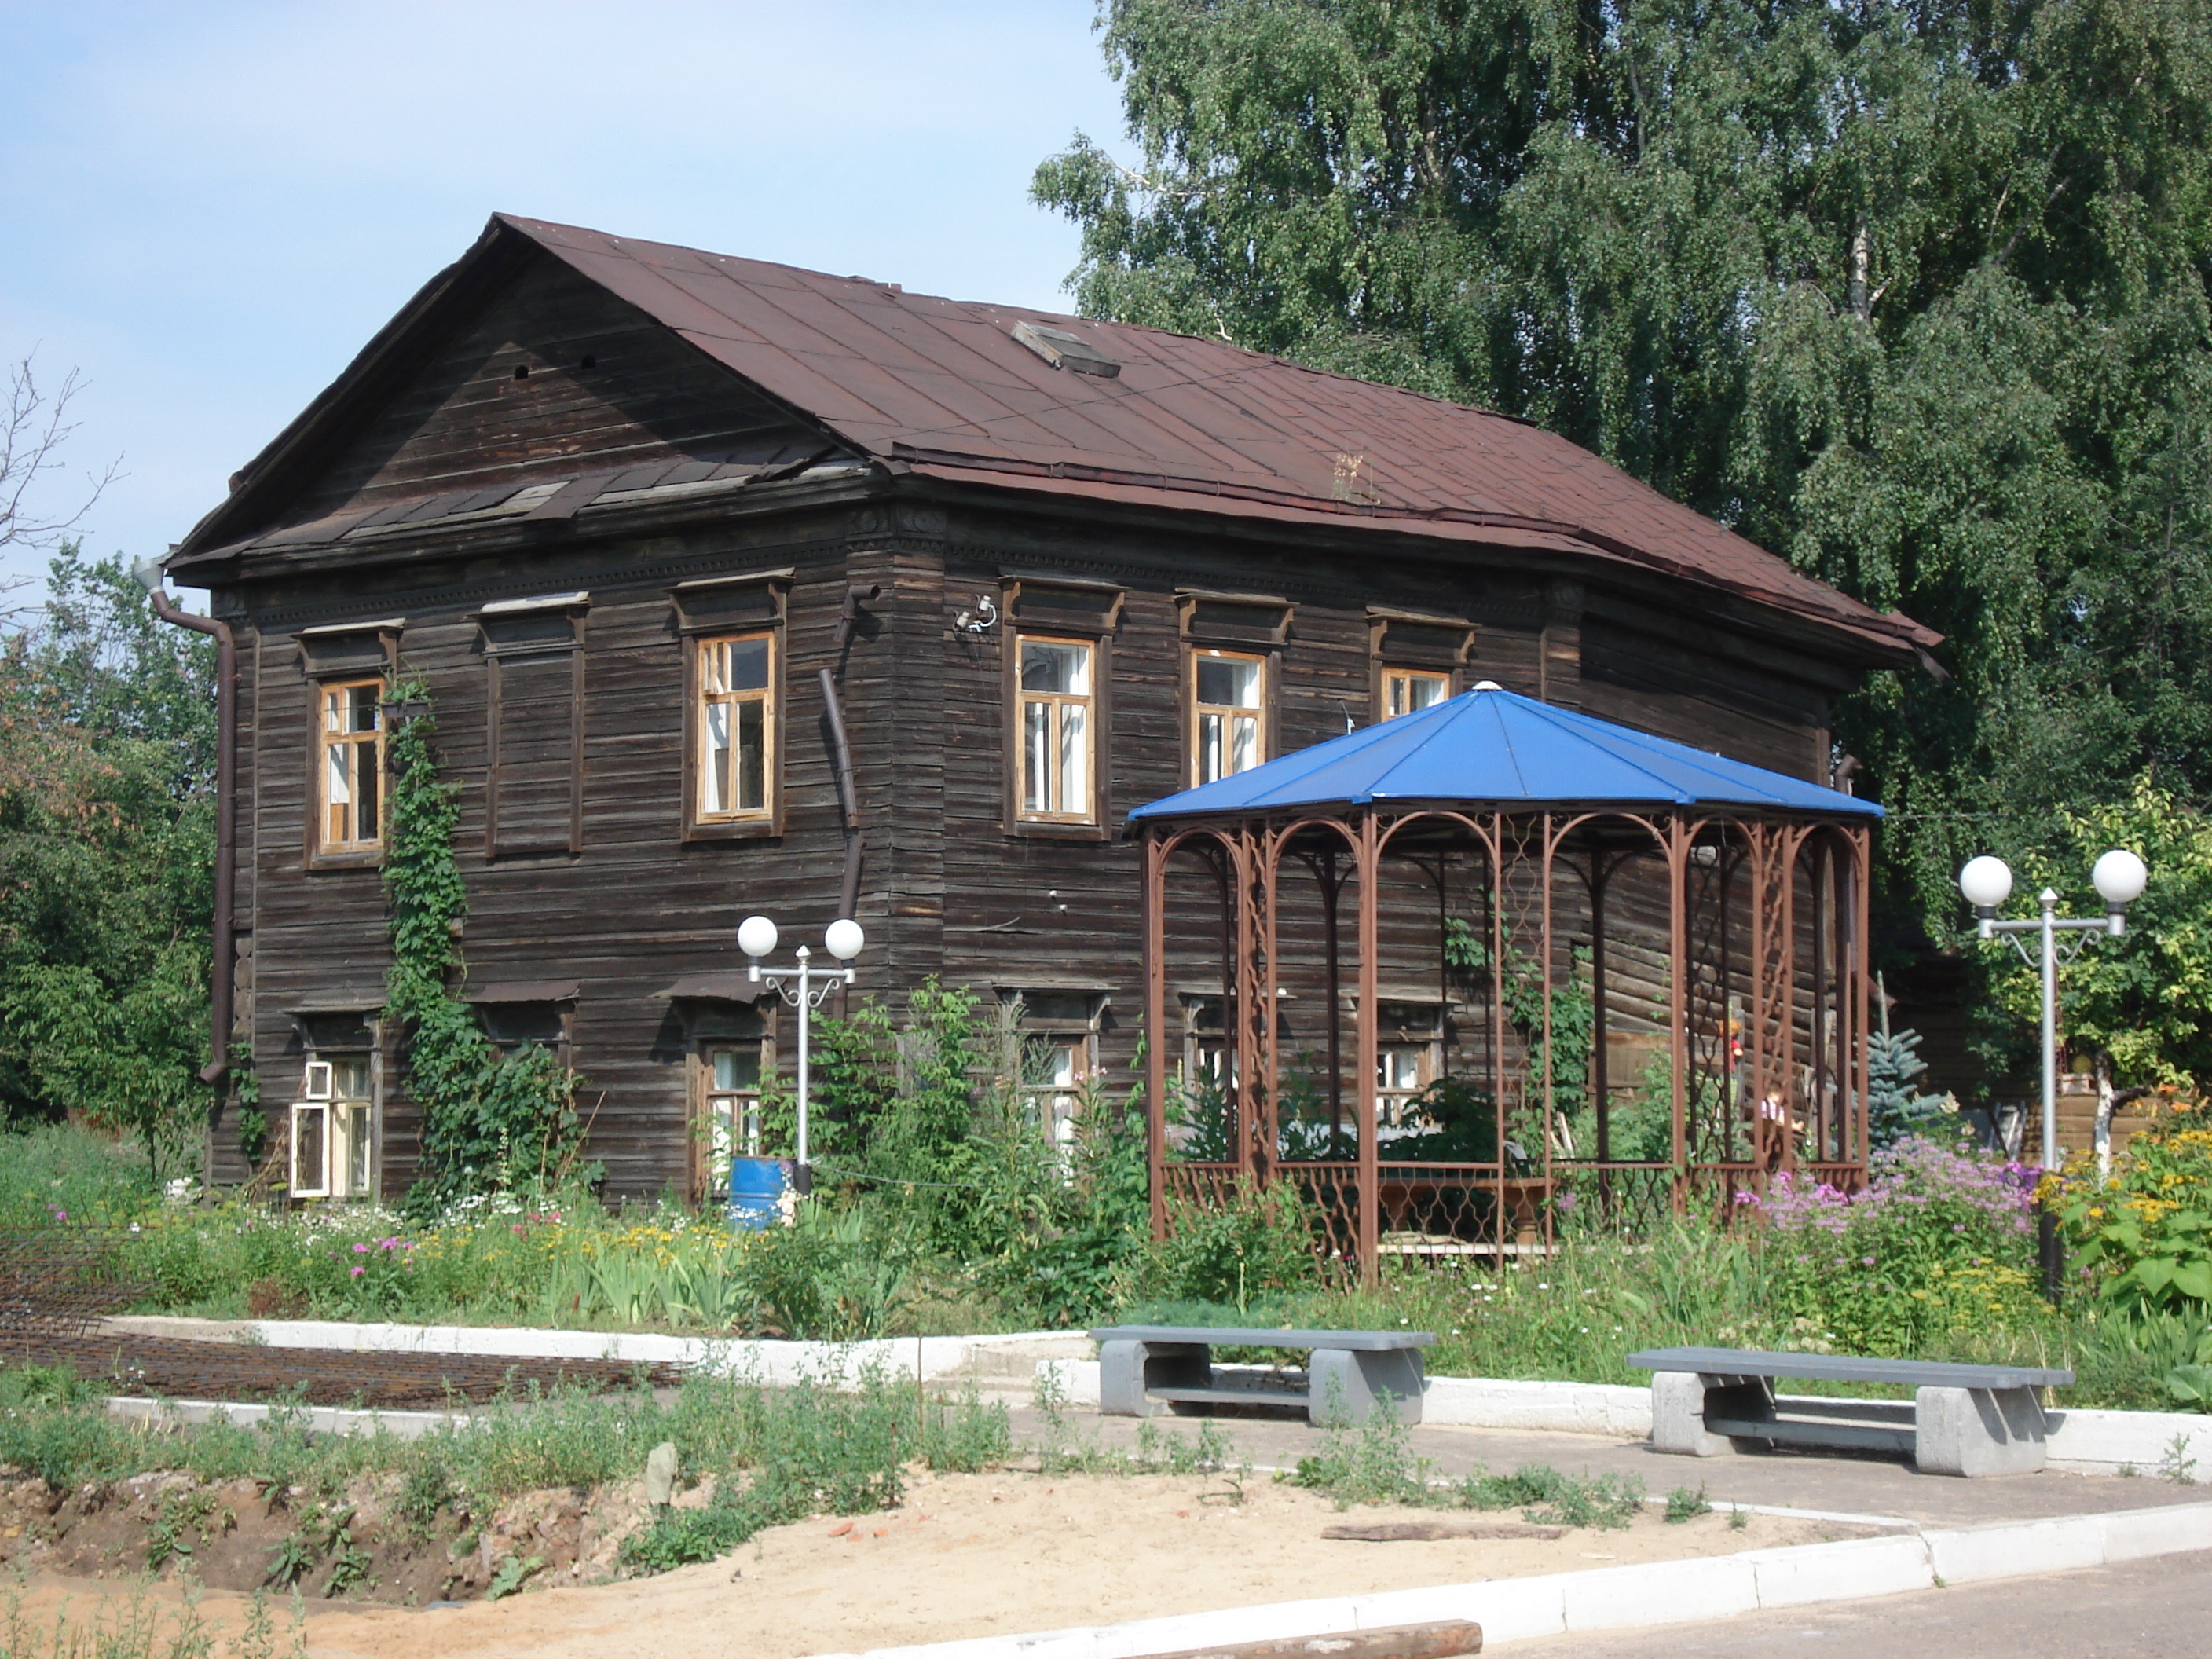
[226, 782]
[848, 798]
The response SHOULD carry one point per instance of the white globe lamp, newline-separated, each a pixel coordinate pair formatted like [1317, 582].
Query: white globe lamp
[1986, 882]
[844, 938]
[756, 936]
[2119, 877]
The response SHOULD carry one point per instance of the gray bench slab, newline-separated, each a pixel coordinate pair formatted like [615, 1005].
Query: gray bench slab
[1349, 1375]
[1965, 1419]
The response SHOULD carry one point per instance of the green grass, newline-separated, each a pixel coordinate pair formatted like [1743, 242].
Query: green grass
[569, 1262]
[832, 1447]
[1374, 1464]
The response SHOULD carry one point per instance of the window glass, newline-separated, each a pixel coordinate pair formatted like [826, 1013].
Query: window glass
[1407, 691]
[1400, 1076]
[733, 1078]
[333, 1130]
[1228, 714]
[737, 727]
[352, 769]
[1056, 731]
[310, 1152]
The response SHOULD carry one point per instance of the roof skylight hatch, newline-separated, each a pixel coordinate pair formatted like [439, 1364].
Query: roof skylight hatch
[1065, 351]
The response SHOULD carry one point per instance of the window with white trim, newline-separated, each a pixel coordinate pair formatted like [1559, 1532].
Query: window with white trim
[333, 1138]
[1228, 712]
[1055, 716]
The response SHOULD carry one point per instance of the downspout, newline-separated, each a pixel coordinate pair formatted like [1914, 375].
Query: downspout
[848, 796]
[148, 572]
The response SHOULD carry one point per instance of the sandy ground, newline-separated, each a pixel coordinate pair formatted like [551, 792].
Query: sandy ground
[976, 1555]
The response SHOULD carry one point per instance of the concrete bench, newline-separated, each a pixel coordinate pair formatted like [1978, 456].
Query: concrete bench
[1962, 1419]
[1141, 1366]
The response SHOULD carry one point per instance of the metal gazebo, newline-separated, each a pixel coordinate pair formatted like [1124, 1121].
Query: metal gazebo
[1497, 968]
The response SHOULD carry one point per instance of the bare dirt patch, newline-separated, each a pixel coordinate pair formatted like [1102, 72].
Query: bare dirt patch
[973, 1555]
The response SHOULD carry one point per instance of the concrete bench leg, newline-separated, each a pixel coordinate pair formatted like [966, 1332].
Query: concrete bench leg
[1977, 1431]
[1680, 1400]
[1344, 1385]
[1125, 1368]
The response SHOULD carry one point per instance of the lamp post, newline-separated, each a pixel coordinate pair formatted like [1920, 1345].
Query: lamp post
[804, 988]
[2119, 877]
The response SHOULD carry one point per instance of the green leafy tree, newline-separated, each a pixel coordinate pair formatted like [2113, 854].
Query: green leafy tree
[1913, 295]
[2143, 999]
[107, 835]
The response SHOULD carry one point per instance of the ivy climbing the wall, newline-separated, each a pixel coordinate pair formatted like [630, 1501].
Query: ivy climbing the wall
[490, 1122]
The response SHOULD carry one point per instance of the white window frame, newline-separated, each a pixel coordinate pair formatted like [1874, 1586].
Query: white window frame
[344, 1131]
[1056, 706]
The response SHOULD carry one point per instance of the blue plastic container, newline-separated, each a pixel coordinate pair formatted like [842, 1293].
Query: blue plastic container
[756, 1189]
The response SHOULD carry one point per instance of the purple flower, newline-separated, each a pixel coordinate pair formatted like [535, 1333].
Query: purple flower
[360, 1249]
[358, 1271]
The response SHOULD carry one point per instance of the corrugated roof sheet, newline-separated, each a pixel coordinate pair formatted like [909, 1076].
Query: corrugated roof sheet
[1494, 748]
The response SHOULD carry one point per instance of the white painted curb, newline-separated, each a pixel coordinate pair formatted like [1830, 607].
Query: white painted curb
[2082, 1442]
[942, 1358]
[1649, 1593]
[322, 1420]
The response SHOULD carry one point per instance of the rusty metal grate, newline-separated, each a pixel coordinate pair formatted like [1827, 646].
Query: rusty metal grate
[56, 1284]
[60, 1281]
[175, 1368]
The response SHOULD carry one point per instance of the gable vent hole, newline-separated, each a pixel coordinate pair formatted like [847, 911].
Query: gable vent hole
[522, 371]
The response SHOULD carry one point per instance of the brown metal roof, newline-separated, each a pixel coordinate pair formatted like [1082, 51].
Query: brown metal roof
[942, 389]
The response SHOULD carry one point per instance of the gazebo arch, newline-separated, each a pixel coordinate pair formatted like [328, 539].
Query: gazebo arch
[1537, 899]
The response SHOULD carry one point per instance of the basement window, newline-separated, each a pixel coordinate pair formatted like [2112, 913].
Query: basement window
[333, 1145]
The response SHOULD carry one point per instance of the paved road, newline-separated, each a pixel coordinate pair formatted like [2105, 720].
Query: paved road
[2159, 1609]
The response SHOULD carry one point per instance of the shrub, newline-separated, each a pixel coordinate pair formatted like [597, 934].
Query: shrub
[1257, 1244]
[1935, 1242]
[2144, 1233]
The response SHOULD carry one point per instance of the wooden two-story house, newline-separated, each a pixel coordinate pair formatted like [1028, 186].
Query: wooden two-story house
[739, 588]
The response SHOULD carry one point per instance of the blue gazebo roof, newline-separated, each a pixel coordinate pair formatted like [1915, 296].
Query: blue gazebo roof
[1494, 748]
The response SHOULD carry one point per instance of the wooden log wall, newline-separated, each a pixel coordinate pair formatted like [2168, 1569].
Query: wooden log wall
[949, 886]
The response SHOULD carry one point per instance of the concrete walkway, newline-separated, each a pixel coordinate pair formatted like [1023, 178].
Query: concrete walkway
[1824, 1481]
[2160, 1610]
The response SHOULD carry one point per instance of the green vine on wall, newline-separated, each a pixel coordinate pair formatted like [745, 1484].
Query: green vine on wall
[490, 1122]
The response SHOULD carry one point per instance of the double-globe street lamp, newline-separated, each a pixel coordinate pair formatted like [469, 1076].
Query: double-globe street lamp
[2119, 877]
[804, 988]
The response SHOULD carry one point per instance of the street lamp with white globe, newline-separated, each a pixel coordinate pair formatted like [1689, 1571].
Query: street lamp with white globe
[2119, 877]
[804, 988]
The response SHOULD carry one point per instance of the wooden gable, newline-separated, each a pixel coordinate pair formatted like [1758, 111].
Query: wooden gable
[553, 377]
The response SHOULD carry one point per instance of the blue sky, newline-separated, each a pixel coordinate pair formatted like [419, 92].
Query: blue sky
[209, 207]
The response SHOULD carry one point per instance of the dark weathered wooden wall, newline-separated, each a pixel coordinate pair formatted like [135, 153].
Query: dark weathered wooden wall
[948, 887]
